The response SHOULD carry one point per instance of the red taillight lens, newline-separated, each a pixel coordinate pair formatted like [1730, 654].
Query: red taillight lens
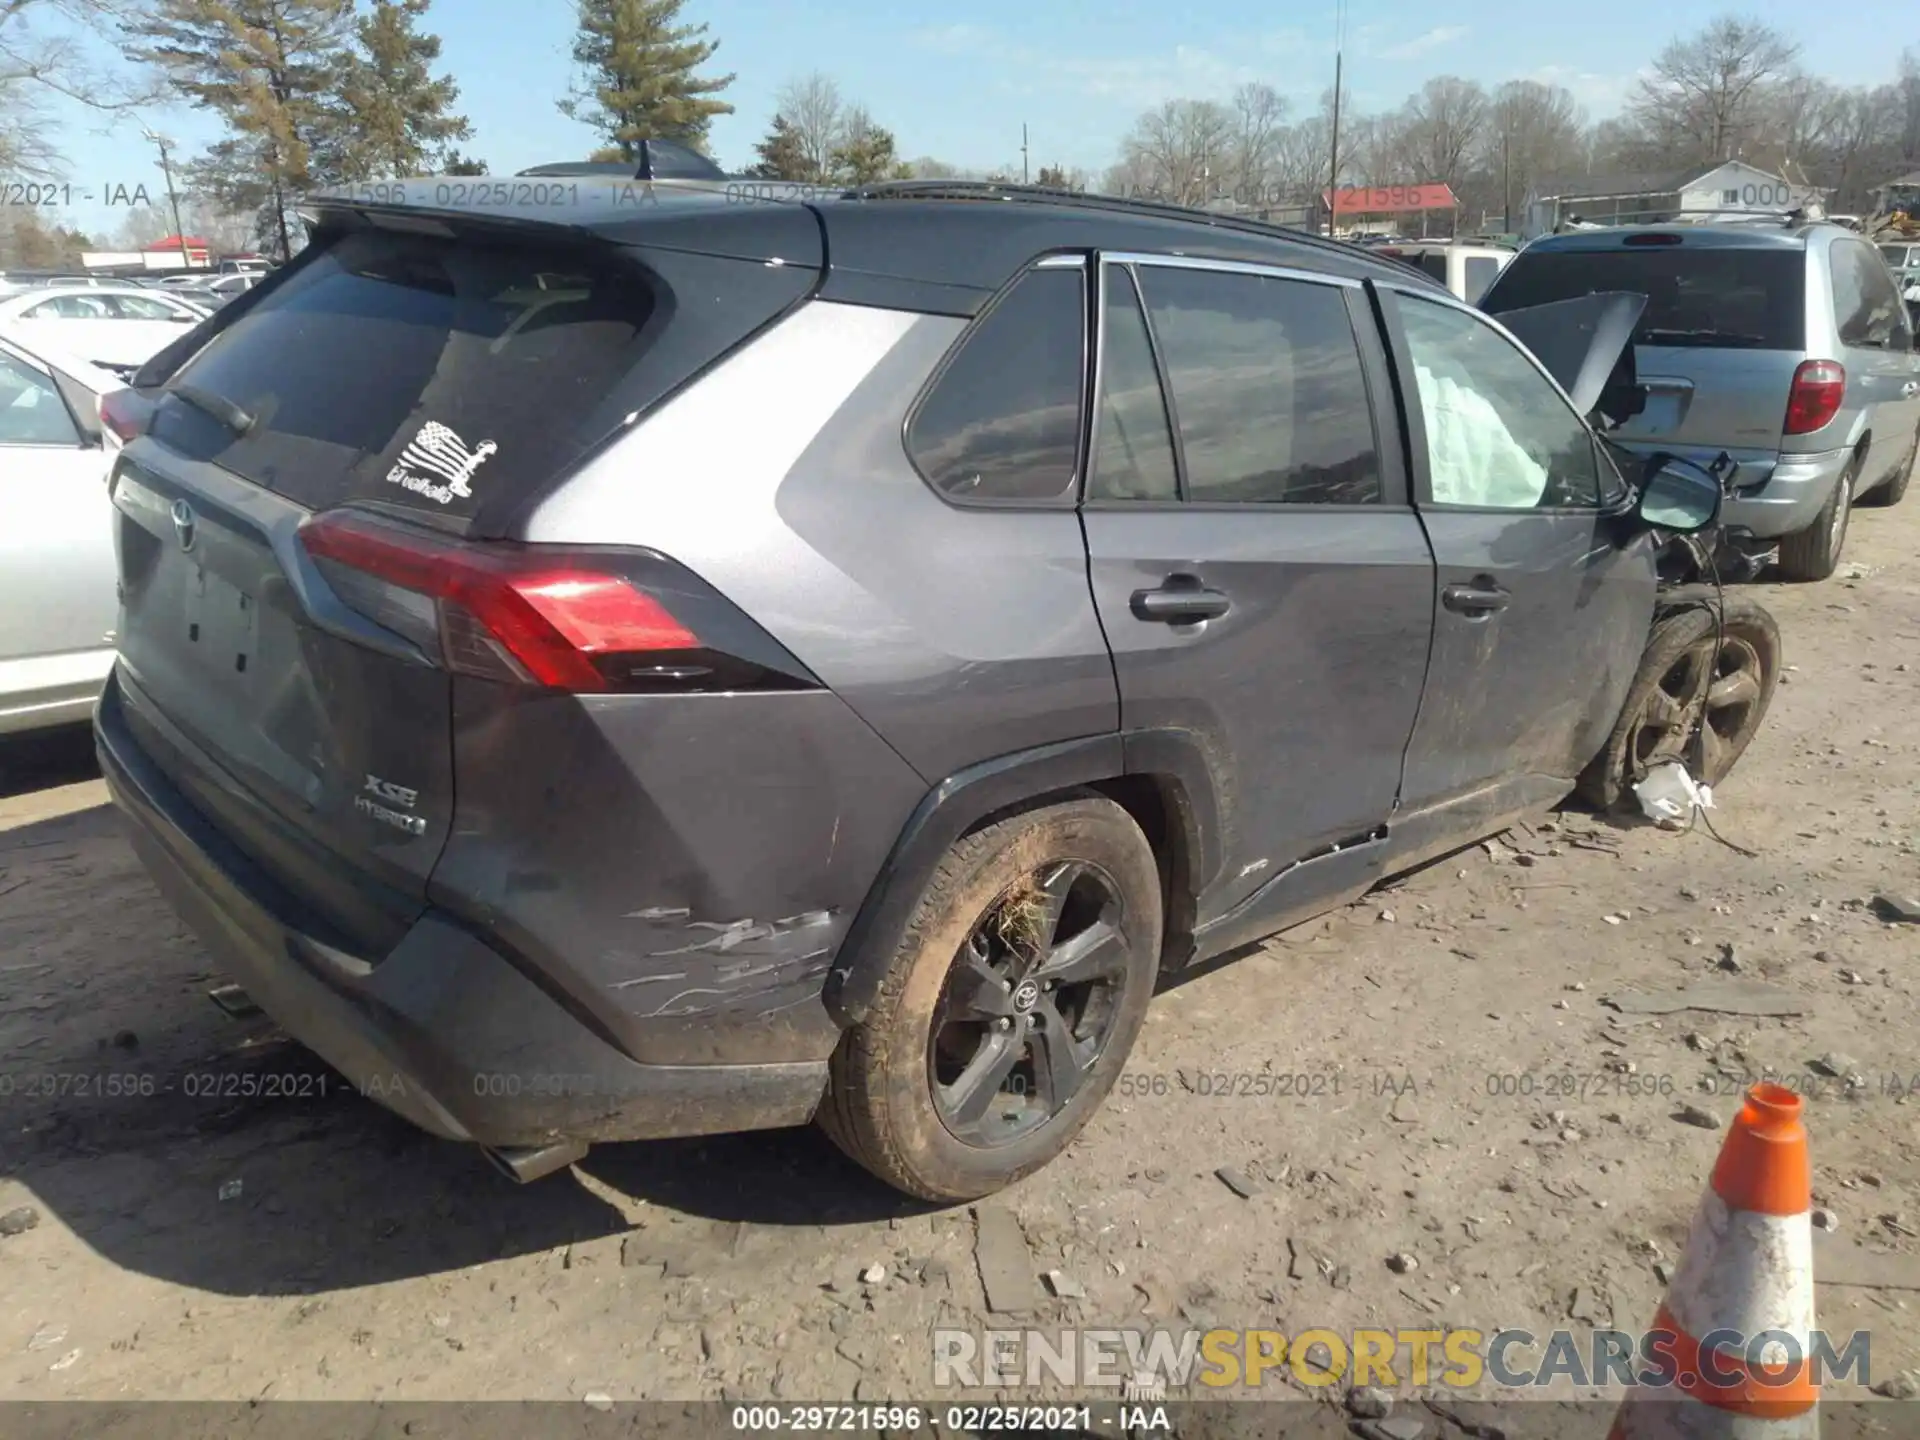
[1818, 388]
[499, 612]
[125, 413]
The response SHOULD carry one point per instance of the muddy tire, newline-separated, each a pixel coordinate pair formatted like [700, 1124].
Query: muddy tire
[1012, 1003]
[1814, 553]
[1690, 679]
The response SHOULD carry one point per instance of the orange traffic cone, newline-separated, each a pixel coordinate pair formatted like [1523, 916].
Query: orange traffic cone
[1745, 1289]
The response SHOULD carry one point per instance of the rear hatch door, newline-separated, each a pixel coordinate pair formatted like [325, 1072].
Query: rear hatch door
[443, 380]
[1716, 348]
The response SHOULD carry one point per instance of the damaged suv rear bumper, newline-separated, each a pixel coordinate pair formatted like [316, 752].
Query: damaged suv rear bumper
[444, 1030]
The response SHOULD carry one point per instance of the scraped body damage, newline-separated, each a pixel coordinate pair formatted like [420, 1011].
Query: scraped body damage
[674, 860]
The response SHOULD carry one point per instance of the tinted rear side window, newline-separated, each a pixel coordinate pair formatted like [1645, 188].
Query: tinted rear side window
[1267, 387]
[456, 376]
[1002, 421]
[1713, 297]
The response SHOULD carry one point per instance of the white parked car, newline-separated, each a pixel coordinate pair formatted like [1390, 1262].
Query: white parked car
[116, 327]
[58, 606]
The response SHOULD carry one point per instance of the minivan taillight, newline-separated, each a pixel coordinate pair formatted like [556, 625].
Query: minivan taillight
[1818, 388]
[555, 618]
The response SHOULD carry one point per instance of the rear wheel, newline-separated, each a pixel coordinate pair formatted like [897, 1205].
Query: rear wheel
[1695, 678]
[1012, 1003]
[1895, 488]
[1814, 553]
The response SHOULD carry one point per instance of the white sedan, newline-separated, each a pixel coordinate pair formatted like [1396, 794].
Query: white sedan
[116, 327]
[58, 606]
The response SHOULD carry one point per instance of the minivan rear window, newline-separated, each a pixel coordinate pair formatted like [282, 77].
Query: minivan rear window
[445, 375]
[1710, 297]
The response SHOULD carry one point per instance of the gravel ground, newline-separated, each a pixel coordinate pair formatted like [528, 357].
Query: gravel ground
[1459, 1093]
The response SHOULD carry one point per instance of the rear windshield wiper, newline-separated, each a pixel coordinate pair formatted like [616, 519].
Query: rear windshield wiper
[1726, 337]
[218, 406]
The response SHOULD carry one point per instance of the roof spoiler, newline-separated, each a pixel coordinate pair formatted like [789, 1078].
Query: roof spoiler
[658, 160]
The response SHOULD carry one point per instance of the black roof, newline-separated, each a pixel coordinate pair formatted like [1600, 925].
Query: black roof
[940, 246]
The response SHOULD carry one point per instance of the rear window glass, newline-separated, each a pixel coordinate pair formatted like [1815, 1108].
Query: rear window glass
[1708, 297]
[445, 376]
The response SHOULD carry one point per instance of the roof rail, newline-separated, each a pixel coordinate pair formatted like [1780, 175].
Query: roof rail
[1115, 204]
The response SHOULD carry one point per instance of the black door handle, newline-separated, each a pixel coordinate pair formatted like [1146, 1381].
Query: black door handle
[1180, 604]
[1477, 600]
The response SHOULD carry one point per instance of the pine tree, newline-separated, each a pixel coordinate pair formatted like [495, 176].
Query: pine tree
[459, 164]
[865, 153]
[392, 116]
[268, 68]
[782, 155]
[638, 81]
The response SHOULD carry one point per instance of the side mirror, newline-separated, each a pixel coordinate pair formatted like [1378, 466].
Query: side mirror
[1678, 496]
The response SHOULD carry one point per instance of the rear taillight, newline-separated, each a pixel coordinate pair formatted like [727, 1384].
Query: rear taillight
[532, 615]
[1818, 388]
[125, 413]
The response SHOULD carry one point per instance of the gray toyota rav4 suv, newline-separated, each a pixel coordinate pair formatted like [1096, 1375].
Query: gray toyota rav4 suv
[1783, 345]
[602, 662]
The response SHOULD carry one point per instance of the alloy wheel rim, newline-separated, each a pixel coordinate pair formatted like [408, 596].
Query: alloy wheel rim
[1712, 688]
[1029, 1004]
[1842, 509]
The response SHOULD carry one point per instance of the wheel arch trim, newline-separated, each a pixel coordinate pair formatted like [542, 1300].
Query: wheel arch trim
[1171, 758]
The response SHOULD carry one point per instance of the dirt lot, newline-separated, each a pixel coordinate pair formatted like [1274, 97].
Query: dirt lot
[310, 1246]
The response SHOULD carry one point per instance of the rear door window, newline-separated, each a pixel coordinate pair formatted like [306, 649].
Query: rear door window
[458, 377]
[1268, 392]
[1002, 420]
[1866, 306]
[1713, 297]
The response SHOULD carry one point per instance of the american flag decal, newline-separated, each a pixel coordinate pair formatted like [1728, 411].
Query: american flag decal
[437, 454]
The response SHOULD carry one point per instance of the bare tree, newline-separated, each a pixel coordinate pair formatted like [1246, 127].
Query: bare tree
[817, 113]
[43, 53]
[1259, 116]
[1182, 150]
[1799, 119]
[1532, 131]
[1707, 94]
[1906, 98]
[1440, 129]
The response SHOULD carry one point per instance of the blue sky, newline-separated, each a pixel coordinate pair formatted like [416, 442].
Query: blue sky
[1077, 73]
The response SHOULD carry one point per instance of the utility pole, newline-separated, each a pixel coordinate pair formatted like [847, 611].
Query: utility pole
[1333, 169]
[173, 201]
[1333, 175]
[1506, 176]
[1023, 152]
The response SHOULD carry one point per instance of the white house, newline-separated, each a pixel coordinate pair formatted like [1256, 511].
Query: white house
[1725, 191]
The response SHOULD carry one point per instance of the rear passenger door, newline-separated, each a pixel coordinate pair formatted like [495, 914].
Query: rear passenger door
[1544, 587]
[1263, 582]
[1877, 340]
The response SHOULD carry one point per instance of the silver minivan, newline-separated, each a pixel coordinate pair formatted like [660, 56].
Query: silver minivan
[1786, 347]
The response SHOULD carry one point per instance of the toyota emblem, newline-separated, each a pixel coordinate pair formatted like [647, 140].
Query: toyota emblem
[183, 524]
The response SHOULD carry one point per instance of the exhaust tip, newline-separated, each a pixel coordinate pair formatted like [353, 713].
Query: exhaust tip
[523, 1164]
